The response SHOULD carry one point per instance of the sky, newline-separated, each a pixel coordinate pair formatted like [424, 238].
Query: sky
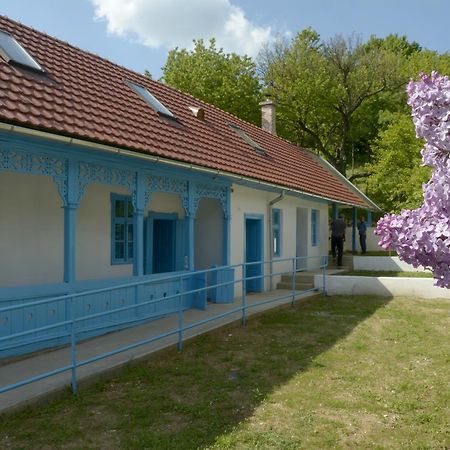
[138, 34]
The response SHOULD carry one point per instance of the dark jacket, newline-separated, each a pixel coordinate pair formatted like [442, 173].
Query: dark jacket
[362, 228]
[338, 228]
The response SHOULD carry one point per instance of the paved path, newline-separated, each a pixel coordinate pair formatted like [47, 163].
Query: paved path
[51, 360]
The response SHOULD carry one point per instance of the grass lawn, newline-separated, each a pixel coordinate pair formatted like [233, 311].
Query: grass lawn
[387, 273]
[332, 373]
[374, 253]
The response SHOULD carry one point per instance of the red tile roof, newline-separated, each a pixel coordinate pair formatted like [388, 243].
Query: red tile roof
[84, 96]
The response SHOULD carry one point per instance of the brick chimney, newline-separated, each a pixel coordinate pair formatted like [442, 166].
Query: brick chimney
[268, 116]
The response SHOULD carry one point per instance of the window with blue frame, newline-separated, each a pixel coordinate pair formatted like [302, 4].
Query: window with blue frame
[122, 232]
[276, 232]
[314, 227]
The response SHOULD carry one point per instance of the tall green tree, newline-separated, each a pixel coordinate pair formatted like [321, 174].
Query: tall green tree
[395, 44]
[320, 86]
[397, 176]
[226, 80]
[371, 117]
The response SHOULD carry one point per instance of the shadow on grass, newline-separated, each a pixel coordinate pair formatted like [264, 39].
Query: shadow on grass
[186, 400]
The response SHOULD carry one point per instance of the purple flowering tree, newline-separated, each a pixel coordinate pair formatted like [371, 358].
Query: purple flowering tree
[421, 237]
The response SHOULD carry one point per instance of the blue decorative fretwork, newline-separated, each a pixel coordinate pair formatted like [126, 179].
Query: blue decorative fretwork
[36, 164]
[171, 185]
[94, 173]
[85, 173]
[203, 190]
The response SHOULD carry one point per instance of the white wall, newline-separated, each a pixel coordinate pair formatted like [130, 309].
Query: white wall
[31, 230]
[94, 230]
[383, 263]
[208, 234]
[166, 203]
[371, 240]
[252, 201]
[246, 200]
[93, 235]
[382, 286]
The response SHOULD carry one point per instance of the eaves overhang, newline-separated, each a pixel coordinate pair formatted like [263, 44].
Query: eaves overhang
[348, 183]
[32, 132]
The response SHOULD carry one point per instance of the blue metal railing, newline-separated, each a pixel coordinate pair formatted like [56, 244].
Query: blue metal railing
[77, 328]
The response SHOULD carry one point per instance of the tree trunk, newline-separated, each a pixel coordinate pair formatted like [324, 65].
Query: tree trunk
[344, 148]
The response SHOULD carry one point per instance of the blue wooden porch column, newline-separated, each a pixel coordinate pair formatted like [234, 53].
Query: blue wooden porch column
[226, 239]
[138, 225]
[369, 218]
[354, 219]
[71, 203]
[190, 223]
[227, 231]
[70, 221]
[334, 211]
[190, 227]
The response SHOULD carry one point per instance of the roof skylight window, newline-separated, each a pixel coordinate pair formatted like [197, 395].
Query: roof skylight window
[247, 139]
[152, 101]
[14, 53]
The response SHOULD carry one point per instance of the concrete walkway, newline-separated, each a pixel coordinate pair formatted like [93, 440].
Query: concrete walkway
[36, 364]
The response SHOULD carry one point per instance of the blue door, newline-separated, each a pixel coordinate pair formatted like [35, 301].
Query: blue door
[163, 245]
[254, 253]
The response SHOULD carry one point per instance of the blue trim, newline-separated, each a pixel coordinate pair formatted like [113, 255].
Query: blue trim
[315, 227]
[138, 243]
[139, 207]
[77, 153]
[35, 310]
[126, 221]
[119, 161]
[190, 227]
[334, 211]
[227, 231]
[70, 202]
[254, 270]
[369, 218]
[74, 167]
[99, 311]
[277, 231]
[149, 238]
[70, 221]
[190, 231]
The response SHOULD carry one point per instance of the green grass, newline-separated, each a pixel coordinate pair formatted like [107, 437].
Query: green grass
[379, 253]
[332, 373]
[387, 273]
[373, 253]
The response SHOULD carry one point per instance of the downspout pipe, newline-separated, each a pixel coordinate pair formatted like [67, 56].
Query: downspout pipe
[269, 234]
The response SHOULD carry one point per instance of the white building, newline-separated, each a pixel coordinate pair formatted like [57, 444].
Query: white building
[108, 178]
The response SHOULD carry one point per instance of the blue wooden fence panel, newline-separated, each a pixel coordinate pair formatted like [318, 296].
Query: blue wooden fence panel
[166, 294]
[220, 292]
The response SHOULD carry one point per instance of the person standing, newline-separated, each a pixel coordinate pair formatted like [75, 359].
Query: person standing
[362, 228]
[337, 238]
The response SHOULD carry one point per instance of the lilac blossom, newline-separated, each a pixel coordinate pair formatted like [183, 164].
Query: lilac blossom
[421, 237]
